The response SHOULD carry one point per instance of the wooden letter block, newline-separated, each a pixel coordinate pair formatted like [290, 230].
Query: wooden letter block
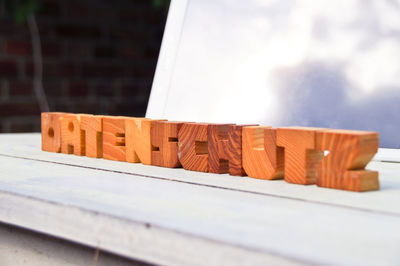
[164, 142]
[93, 127]
[193, 146]
[114, 138]
[72, 137]
[261, 157]
[225, 149]
[349, 153]
[138, 140]
[301, 157]
[51, 131]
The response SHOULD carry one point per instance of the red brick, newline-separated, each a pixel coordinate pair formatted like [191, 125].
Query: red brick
[130, 51]
[78, 89]
[104, 52]
[107, 90]
[8, 68]
[140, 71]
[53, 70]
[49, 9]
[22, 127]
[130, 90]
[105, 45]
[60, 70]
[9, 27]
[88, 108]
[154, 16]
[102, 71]
[46, 27]
[63, 107]
[53, 89]
[50, 48]
[29, 69]
[6, 26]
[78, 31]
[142, 96]
[129, 109]
[151, 52]
[136, 91]
[103, 13]
[144, 3]
[136, 34]
[127, 16]
[15, 109]
[76, 9]
[21, 88]
[18, 47]
[79, 50]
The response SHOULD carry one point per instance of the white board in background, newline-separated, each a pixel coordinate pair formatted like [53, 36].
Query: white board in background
[311, 63]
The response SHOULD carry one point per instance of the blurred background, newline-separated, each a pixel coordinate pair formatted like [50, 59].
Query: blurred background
[97, 56]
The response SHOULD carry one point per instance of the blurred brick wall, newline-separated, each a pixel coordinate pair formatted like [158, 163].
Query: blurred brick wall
[99, 57]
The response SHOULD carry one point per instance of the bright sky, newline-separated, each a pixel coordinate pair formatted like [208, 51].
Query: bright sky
[311, 63]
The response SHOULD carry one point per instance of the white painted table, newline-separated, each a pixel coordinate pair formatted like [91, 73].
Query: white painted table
[173, 216]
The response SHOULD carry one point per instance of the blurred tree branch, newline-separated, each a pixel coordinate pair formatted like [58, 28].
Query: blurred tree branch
[162, 4]
[24, 11]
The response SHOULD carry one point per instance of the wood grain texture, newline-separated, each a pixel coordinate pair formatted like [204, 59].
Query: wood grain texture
[51, 131]
[164, 142]
[349, 153]
[131, 155]
[114, 138]
[93, 127]
[138, 139]
[193, 146]
[14, 145]
[225, 149]
[301, 157]
[72, 137]
[262, 158]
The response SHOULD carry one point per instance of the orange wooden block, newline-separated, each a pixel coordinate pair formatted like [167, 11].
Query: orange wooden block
[193, 146]
[262, 158]
[164, 142]
[138, 140]
[301, 157]
[344, 166]
[72, 137]
[93, 128]
[114, 138]
[51, 131]
[225, 149]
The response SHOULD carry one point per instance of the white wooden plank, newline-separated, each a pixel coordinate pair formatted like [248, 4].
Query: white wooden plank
[388, 155]
[384, 200]
[302, 231]
[20, 247]
[125, 237]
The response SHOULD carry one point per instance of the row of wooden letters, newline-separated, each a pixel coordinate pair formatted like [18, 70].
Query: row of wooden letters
[326, 157]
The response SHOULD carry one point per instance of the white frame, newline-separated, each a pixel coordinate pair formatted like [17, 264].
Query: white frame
[166, 59]
[165, 67]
